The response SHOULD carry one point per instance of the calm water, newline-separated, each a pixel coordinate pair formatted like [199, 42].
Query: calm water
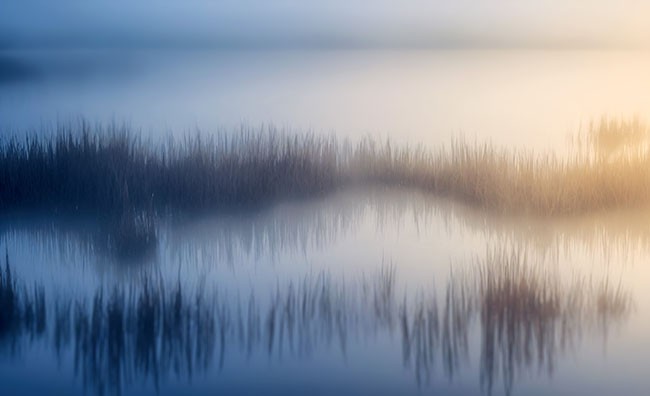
[363, 292]
[523, 98]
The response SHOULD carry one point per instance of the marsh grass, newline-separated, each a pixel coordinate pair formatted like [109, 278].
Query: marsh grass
[110, 169]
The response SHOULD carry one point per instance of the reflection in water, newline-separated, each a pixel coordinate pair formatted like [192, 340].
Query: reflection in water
[222, 237]
[526, 318]
[22, 311]
[146, 335]
[304, 227]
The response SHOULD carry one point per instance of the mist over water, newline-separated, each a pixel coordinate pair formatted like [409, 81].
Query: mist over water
[453, 299]
[527, 99]
[360, 290]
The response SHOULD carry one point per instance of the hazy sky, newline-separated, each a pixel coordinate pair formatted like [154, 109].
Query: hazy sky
[447, 23]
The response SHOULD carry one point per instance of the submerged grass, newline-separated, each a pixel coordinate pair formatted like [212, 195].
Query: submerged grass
[111, 169]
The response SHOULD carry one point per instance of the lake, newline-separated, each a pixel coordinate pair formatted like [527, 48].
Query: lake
[364, 291]
[523, 98]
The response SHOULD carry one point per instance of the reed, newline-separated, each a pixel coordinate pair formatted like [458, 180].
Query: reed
[110, 169]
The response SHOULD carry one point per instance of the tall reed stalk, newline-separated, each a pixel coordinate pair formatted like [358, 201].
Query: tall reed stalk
[111, 169]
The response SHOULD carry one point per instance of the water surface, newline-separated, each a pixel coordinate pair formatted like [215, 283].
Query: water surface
[529, 99]
[360, 292]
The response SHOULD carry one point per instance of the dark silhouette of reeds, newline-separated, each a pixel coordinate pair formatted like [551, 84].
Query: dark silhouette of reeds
[111, 170]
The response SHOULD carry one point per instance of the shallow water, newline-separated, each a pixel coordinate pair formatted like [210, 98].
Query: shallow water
[365, 291]
[360, 292]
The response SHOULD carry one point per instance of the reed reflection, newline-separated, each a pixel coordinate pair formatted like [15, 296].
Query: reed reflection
[23, 312]
[526, 318]
[529, 317]
[301, 228]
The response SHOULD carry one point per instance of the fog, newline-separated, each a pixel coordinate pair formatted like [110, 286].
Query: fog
[336, 23]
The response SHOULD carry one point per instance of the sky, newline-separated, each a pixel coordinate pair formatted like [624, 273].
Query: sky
[325, 23]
